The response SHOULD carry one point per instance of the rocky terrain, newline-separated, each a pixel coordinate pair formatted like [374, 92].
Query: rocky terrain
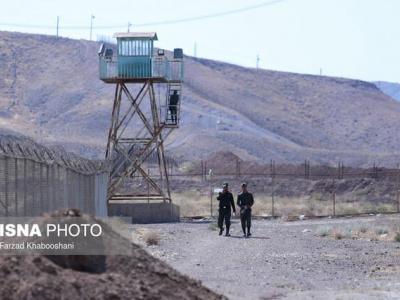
[49, 90]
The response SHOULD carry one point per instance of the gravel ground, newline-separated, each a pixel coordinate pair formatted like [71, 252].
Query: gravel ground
[284, 260]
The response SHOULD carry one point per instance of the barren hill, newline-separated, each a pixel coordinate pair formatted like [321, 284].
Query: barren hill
[49, 90]
[390, 88]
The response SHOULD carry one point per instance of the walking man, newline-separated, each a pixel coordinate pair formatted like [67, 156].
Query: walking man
[245, 201]
[226, 203]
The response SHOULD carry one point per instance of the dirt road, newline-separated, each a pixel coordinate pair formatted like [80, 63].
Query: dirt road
[284, 260]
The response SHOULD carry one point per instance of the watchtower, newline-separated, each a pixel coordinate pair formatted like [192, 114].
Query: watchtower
[146, 109]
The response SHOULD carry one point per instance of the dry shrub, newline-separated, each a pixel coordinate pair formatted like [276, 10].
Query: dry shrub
[324, 231]
[338, 235]
[363, 229]
[397, 237]
[382, 231]
[151, 238]
[363, 232]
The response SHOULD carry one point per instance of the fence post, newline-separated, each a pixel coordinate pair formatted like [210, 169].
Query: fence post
[6, 184]
[340, 170]
[237, 168]
[48, 189]
[333, 197]
[148, 186]
[92, 187]
[79, 201]
[202, 170]
[16, 186]
[66, 186]
[25, 179]
[58, 188]
[96, 190]
[211, 193]
[397, 188]
[273, 188]
[40, 188]
[375, 171]
[52, 195]
[33, 188]
[342, 173]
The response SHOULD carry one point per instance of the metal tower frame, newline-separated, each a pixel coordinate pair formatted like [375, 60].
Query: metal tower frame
[129, 153]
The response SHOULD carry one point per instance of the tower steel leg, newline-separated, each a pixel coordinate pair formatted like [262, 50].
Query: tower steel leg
[135, 134]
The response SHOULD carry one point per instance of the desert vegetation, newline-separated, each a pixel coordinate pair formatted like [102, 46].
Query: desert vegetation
[388, 233]
[197, 203]
[145, 236]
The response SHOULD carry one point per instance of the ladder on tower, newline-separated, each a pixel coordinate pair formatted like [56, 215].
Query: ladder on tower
[172, 112]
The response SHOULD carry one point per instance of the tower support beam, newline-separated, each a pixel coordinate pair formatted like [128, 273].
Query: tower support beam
[135, 145]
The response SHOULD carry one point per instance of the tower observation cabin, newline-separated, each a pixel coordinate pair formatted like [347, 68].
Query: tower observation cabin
[147, 101]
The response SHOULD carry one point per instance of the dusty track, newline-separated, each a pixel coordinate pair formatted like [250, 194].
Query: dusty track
[284, 260]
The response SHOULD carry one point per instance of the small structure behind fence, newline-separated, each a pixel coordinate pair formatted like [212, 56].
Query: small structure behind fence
[35, 180]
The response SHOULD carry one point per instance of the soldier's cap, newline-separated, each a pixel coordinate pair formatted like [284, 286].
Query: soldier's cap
[244, 184]
[225, 184]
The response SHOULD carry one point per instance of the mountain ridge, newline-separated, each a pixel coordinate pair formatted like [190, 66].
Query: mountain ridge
[50, 91]
[391, 89]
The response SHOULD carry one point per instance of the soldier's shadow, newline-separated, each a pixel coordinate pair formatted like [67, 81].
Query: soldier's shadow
[249, 238]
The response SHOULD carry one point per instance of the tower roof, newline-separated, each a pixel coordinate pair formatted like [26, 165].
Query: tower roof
[137, 35]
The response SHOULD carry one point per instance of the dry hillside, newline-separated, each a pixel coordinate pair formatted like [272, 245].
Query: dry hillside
[390, 88]
[49, 90]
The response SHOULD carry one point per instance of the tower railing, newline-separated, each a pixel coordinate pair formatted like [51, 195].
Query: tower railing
[157, 67]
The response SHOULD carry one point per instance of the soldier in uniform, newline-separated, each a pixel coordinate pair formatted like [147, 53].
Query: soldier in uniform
[226, 203]
[245, 201]
[173, 106]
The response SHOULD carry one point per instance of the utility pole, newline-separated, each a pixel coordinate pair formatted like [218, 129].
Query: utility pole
[320, 71]
[257, 61]
[58, 23]
[129, 26]
[91, 26]
[195, 49]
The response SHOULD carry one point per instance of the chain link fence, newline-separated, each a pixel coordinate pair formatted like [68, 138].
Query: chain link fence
[288, 190]
[35, 179]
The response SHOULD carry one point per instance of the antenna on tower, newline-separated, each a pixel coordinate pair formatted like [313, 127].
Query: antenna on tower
[91, 25]
[58, 23]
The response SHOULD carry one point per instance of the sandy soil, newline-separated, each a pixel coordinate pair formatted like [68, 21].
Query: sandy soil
[284, 260]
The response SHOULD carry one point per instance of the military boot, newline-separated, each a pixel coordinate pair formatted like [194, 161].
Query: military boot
[227, 231]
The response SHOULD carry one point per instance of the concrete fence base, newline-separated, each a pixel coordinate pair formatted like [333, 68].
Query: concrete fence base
[146, 212]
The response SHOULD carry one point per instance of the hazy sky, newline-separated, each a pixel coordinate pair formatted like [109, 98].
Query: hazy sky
[347, 38]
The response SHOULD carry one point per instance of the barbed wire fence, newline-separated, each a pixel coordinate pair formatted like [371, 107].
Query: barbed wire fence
[35, 179]
[290, 190]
